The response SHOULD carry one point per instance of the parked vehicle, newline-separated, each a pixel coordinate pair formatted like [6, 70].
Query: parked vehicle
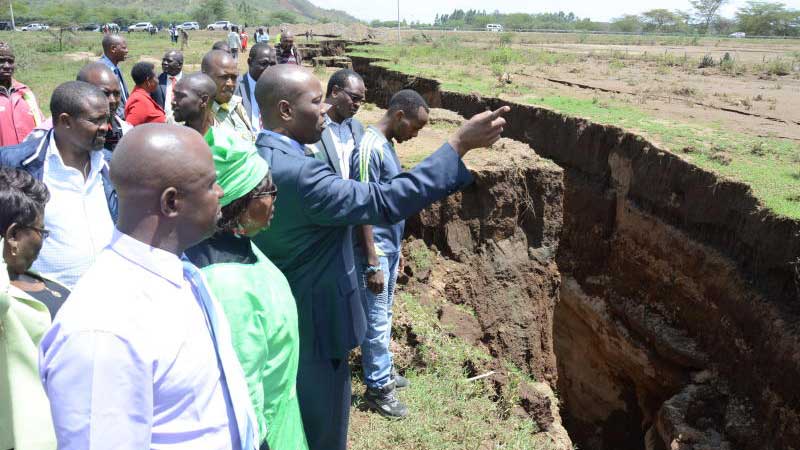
[219, 25]
[112, 27]
[494, 27]
[141, 26]
[188, 26]
[35, 27]
[738, 34]
[5, 26]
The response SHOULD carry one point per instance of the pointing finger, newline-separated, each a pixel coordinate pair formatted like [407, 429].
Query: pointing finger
[499, 112]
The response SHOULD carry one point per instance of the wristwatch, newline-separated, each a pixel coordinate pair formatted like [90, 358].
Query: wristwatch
[372, 269]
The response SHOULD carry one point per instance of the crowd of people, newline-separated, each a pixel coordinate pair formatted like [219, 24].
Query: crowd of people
[158, 292]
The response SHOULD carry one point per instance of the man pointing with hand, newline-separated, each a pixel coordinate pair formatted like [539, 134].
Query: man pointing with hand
[310, 238]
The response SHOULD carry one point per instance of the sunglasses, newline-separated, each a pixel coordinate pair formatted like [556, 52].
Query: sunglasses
[43, 232]
[354, 97]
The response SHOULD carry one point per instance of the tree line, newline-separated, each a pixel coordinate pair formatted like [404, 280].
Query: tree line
[80, 12]
[756, 18]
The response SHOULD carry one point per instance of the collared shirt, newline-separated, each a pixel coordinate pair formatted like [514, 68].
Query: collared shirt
[77, 216]
[376, 161]
[168, 95]
[296, 145]
[255, 111]
[130, 362]
[233, 116]
[345, 142]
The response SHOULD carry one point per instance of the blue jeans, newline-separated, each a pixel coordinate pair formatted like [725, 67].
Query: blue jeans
[376, 359]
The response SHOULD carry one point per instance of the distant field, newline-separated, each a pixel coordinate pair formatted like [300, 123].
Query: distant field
[663, 94]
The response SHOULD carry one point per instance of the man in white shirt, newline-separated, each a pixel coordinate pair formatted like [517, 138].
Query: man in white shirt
[343, 132]
[70, 161]
[141, 356]
[171, 73]
[260, 57]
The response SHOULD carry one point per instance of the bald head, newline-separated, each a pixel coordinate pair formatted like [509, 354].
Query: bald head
[115, 47]
[287, 40]
[172, 63]
[98, 74]
[290, 100]
[165, 179]
[222, 68]
[192, 99]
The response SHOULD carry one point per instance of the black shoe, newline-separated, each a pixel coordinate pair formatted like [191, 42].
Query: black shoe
[384, 401]
[400, 381]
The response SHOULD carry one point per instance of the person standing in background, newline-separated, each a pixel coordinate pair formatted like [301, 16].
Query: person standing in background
[19, 112]
[234, 42]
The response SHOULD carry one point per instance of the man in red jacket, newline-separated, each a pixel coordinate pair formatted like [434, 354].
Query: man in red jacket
[141, 108]
[19, 113]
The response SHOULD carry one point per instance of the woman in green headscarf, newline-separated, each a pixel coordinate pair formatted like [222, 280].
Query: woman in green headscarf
[255, 295]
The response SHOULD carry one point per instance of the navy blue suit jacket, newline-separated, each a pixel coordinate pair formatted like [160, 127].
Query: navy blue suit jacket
[310, 238]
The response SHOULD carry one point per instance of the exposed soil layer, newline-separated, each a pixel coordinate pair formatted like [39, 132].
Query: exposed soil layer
[679, 319]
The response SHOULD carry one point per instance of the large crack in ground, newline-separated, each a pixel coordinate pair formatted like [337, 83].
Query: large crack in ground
[676, 312]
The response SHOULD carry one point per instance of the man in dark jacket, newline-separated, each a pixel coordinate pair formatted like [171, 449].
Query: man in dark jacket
[260, 57]
[310, 236]
[171, 73]
[342, 132]
[72, 163]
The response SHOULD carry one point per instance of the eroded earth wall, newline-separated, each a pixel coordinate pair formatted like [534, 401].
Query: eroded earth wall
[678, 324]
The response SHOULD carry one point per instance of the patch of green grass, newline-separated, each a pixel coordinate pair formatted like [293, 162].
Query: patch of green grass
[768, 171]
[422, 257]
[447, 412]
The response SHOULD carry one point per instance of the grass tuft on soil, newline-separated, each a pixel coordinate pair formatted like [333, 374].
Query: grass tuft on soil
[446, 411]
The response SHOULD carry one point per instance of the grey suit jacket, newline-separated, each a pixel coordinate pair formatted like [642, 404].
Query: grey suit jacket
[243, 90]
[325, 148]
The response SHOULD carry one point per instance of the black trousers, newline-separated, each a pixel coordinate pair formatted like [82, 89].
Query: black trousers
[323, 390]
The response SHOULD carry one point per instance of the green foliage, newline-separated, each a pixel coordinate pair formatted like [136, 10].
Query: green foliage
[768, 19]
[629, 23]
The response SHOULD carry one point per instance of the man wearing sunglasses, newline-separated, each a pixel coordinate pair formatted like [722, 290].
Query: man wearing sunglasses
[71, 161]
[343, 132]
[261, 56]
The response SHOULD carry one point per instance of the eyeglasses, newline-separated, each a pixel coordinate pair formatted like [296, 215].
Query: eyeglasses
[355, 98]
[43, 232]
[272, 192]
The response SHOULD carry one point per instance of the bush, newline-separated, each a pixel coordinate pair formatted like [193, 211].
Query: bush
[778, 67]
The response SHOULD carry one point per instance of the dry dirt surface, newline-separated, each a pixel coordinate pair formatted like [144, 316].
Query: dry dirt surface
[663, 80]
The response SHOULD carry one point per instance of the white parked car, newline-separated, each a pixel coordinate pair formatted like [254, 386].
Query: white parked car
[35, 27]
[496, 27]
[738, 34]
[188, 26]
[141, 26]
[219, 25]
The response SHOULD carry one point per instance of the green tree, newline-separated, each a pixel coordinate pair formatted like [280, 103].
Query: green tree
[629, 23]
[768, 19]
[660, 19]
[211, 10]
[706, 11]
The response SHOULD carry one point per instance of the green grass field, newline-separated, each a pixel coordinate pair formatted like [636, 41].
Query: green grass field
[770, 165]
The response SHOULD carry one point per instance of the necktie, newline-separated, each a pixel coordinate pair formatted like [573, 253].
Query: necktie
[225, 106]
[172, 81]
[226, 358]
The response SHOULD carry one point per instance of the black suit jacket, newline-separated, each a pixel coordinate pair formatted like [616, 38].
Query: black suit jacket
[160, 94]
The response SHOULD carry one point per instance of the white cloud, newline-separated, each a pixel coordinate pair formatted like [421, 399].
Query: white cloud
[426, 10]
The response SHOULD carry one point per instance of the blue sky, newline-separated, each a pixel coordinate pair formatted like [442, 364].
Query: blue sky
[602, 10]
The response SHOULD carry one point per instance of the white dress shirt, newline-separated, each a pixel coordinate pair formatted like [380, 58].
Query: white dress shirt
[130, 362]
[77, 216]
[255, 112]
[345, 143]
[168, 96]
